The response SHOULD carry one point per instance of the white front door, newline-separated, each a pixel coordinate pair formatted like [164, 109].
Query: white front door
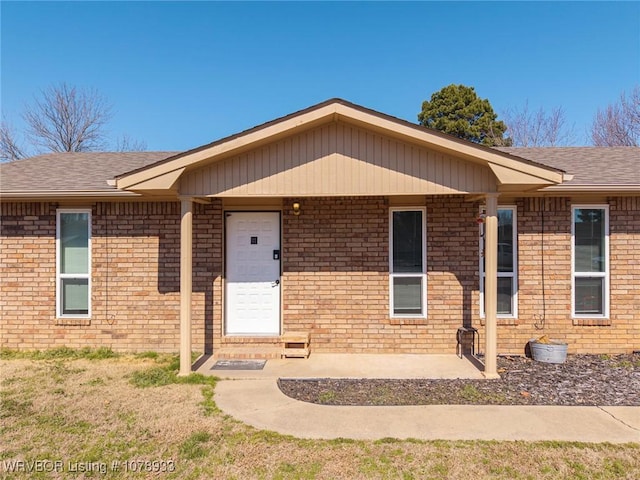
[252, 302]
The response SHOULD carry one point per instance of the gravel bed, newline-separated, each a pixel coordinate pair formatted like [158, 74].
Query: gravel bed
[604, 380]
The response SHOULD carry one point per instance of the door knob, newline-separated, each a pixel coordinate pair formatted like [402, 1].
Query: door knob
[276, 283]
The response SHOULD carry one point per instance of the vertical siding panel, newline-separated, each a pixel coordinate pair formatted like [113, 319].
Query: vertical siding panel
[297, 158]
[376, 160]
[307, 152]
[343, 174]
[237, 173]
[477, 178]
[276, 151]
[392, 161]
[318, 155]
[245, 166]
[339, 159]
[271, 182]
[347, 146]
[413, 179]
[415, 169]
[365, 152]
[431, 174]
[421, 180]
[209, 182]
[227, 166]
[268, 161]
[393, 165]
[287, 162]
[384, 159]
[455, 174]
[255, 170]
[218, 176]
[195, 182]
[439, 172]
[204, 187]
[274, 182]
[329, 148]
[251, 169]
[446, 172]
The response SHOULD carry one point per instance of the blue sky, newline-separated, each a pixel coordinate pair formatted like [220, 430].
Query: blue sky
[182, 74]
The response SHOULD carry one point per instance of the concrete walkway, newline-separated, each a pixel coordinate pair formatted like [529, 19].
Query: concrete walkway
[254, 398]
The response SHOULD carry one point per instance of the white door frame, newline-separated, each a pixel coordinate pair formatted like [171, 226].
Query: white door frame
[267, 278]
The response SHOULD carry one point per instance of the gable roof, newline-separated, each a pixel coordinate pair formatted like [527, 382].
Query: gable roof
[507, 168]
[71, 174]
[94, 174]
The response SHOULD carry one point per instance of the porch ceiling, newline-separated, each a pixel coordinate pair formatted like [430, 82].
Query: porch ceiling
[338, 148]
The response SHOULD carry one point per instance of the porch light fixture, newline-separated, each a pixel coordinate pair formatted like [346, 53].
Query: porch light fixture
[296, 208]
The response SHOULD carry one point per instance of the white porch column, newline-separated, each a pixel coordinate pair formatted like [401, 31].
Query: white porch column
[186, 271]
[491, 285]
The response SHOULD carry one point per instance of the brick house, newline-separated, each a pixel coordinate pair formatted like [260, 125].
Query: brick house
[371, 233]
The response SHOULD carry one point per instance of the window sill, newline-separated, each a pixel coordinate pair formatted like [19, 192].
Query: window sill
[408, 321]
[73, 322]
[592, 322]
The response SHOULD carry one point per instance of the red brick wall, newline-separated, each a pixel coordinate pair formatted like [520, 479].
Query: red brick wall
[135, 277]
[27, 275]
[335, 277]
[544, 243]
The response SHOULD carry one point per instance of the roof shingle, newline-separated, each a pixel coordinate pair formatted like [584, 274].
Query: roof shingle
[588, 165]
[72, 172]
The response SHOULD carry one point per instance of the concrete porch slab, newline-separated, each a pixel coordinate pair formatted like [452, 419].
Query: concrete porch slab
[342, 365]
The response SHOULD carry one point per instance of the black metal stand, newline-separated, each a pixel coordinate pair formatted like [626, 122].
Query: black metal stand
[475, 337]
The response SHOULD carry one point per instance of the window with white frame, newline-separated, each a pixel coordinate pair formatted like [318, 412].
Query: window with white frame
[407, 262]
[507, 263]
[73, 263]
[590, 260]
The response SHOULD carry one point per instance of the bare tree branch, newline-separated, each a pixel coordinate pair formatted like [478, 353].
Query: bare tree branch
[66, 119]
[538, 129]
[619, 123]
[9, 149]
[127, 144]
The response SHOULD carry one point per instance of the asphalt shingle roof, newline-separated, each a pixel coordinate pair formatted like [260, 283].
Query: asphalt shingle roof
[588, 165]
[72, 172]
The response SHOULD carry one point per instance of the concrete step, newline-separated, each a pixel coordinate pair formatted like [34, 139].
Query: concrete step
[249, 352]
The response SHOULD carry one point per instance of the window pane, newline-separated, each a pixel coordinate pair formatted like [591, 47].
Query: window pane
[505, 240]
[407, 242]
[407, 295]
[74, 243]
[75, 296]
[505, 294]
[589, 295]
[589, 240]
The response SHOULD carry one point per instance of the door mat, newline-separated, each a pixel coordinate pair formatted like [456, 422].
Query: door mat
[239, 365]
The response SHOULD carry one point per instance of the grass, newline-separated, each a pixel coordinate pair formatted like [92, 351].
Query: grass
[85, 406]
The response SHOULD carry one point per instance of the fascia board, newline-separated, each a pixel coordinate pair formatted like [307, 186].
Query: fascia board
[166, 181]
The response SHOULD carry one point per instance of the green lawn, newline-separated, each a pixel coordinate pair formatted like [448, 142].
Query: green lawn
[94, 414]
